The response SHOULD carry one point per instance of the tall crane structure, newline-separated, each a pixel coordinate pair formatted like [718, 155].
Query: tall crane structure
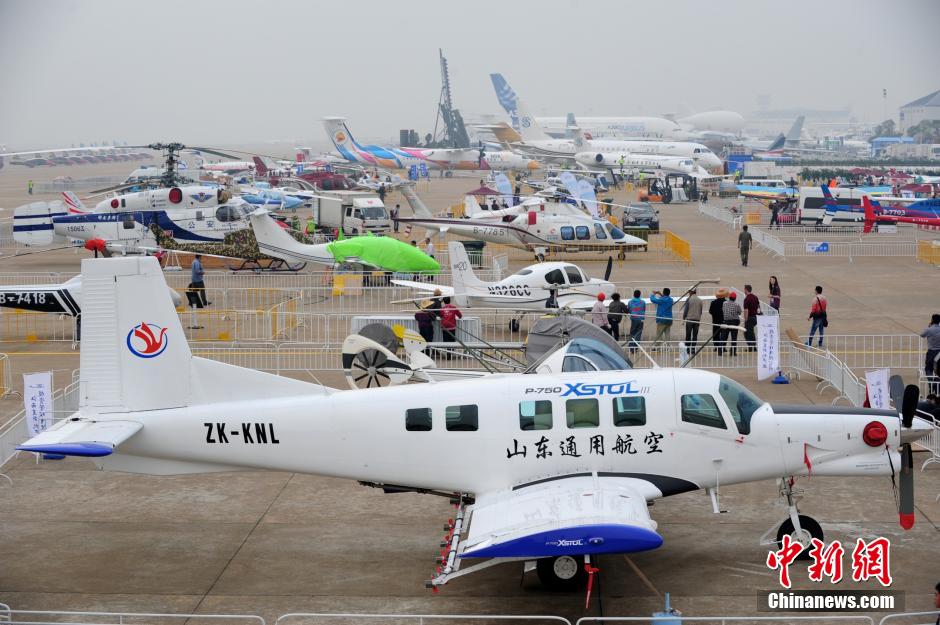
[453, 132]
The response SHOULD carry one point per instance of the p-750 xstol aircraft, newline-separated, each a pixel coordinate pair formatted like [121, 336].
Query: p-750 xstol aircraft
[554, 468]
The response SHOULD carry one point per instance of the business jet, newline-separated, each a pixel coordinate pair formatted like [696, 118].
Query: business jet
[552, 468]
[433, 158]
[536, 229]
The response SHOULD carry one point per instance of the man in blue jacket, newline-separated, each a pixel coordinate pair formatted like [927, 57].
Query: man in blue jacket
[663, 314]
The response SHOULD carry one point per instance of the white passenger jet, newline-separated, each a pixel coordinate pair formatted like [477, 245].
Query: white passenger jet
[553, 468]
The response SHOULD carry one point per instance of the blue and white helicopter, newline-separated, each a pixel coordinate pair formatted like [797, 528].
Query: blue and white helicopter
[191, 214]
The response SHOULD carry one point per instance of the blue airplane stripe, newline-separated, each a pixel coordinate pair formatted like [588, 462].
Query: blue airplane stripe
[32, 228]
[577, 540]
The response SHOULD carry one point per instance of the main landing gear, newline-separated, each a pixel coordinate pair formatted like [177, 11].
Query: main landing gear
[561, 573]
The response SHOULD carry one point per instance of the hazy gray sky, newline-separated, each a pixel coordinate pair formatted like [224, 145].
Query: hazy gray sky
[232, 71]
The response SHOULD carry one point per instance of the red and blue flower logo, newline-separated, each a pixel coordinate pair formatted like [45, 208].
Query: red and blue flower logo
[147, 340]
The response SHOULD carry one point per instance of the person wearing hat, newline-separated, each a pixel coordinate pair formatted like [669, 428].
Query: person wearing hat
[731, 313]
[599, 313]
[715, 310]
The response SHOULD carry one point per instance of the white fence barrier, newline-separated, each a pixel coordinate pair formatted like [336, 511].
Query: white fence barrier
[42, 617]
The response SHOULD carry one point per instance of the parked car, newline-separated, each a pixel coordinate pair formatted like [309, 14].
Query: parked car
[640, 215]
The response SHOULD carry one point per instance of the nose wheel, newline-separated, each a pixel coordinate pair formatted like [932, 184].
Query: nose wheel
[809, 529]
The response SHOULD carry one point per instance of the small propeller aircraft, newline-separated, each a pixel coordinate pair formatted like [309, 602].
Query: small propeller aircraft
[384, 253]
[536, 287]
[536, 229]
[553, 468]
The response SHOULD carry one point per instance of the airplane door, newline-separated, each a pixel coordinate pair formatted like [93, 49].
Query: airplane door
[129, 226]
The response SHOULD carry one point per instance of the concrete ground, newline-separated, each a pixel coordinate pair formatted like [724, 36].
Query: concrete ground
[272, 543]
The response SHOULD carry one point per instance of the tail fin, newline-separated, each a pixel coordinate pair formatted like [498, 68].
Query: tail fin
[260, 168]
[778, 143]
[32, 223]
[528, 127]
[831, 205]
[461, 272]
[471, 206]
[339, 134]
[793, 135]
[419, 208]
[870, 218]
[505, 134]
[74, 204]
[507, 98]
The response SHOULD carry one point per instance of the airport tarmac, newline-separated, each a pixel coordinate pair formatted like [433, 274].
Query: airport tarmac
[272, 543]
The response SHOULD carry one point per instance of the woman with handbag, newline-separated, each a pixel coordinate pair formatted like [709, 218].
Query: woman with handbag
[817, 313]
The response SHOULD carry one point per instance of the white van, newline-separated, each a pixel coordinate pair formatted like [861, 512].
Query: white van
[812, 205]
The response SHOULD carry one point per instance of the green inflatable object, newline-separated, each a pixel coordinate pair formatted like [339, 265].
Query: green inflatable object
[384, 252]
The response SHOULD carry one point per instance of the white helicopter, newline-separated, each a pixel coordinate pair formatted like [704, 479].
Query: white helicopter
[190, 214]
[552, 469]
[536, 287]
[533, 228]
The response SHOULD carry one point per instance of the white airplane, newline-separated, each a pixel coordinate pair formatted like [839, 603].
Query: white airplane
[536, 229]
[190, 214]
[536, 142]
[59, 299]
[530, 288]
[553, 468]
[228, 167]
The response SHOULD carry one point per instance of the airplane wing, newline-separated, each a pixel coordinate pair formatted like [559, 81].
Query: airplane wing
[571, 515]
[82, 438]
[425, 287]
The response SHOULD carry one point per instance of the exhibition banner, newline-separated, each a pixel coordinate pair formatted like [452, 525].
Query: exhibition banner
[37, 397]
[768, 346]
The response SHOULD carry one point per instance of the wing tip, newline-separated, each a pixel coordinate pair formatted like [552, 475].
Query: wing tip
[83, 450]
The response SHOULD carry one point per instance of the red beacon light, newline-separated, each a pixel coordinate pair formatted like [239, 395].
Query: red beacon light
[176, 195]
[115, 203]
[875, 434]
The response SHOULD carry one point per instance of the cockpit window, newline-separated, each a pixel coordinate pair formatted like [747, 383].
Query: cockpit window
[599, 231]
[616, 233]
[574, 275]
[741, 403]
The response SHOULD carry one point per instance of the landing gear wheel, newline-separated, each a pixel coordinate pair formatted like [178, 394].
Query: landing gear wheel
[540, 258]
[811, 529]
[621, 255]
[564, 573]
[513, 325]
[448, 174]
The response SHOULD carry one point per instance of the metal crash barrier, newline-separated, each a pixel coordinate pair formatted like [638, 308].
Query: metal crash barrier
[312, 618]
[50, 617]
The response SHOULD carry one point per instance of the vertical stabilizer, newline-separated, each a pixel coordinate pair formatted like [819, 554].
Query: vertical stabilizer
[528, 127]
[461, 272]
[507, 98]
[134, 353]
[796, 130]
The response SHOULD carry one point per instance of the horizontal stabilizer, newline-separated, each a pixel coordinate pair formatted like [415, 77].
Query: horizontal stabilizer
[82, 438]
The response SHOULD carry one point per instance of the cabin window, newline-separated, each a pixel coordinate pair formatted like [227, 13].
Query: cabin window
[418, 419]
[128, 223]
[583, 233]
[535, 415]
[701, 409]
[574, 275]
[567, 233]
[629, 411]
[461, 418]
[599, 231]
[555, 276]
[582, 413]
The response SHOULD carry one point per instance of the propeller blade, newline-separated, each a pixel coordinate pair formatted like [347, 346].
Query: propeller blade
[610, 267]
[896, 391]
[906, 489]
[909, 404]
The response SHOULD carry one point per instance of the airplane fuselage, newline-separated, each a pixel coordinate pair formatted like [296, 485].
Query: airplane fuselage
[363, 435]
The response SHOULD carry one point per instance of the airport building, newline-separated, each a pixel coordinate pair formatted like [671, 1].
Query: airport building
[927, 107]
